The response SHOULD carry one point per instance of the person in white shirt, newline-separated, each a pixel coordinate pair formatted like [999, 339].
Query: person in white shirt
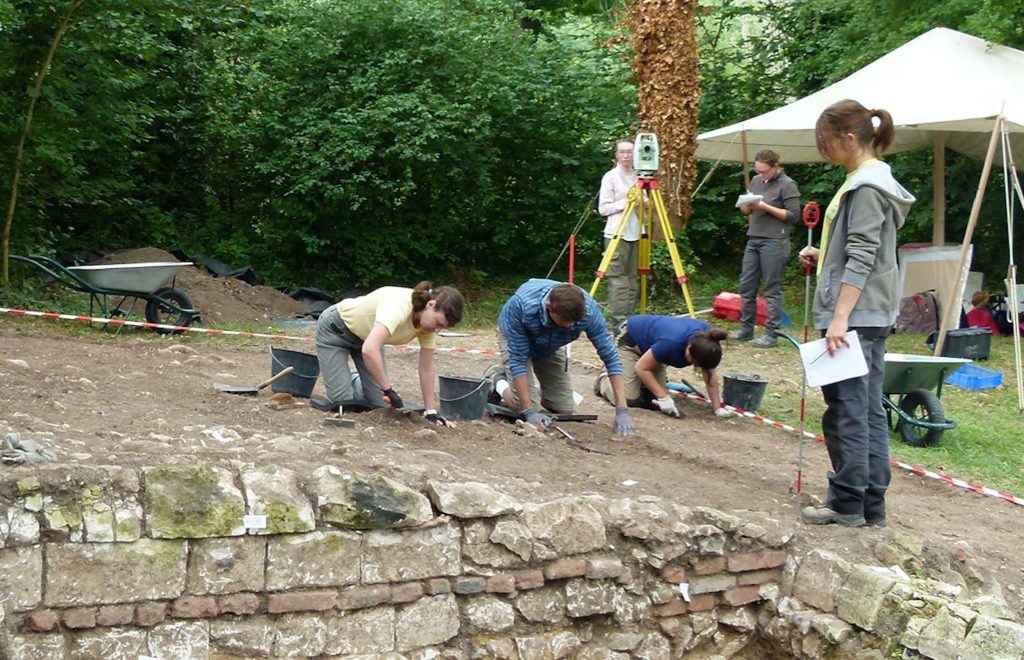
[621, 274]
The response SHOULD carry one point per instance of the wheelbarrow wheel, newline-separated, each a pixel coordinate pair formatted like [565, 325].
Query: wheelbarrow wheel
[924, 406]
[160, 309]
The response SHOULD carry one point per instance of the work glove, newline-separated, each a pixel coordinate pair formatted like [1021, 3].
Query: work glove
[722, 412]
[432, 417]
[17, 450]
[623, 425]
[391, 398]
[538, 419]
[667, 406]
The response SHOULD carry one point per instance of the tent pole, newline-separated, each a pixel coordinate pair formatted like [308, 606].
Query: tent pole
[954, 292]
[743, 152]
[939, 189]
[1013, 186]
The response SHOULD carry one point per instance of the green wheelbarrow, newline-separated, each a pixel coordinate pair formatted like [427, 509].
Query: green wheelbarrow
[913, 409]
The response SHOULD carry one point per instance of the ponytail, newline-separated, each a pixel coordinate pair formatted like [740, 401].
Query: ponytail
[449, 301]
[706, 348]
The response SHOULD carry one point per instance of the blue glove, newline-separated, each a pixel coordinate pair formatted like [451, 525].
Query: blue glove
[391, 398]
[623, 425]
[538, 419]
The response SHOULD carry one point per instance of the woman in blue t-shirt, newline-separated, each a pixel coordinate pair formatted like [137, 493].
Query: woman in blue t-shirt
[648, 344]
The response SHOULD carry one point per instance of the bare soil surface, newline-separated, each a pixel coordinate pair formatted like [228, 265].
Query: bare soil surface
[140, 399]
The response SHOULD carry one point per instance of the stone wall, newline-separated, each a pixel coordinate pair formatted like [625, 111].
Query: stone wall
[208, 562]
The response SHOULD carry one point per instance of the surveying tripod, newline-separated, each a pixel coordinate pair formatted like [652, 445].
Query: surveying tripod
[646, 210]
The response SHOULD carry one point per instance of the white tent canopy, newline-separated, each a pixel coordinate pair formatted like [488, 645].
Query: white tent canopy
[942, 85]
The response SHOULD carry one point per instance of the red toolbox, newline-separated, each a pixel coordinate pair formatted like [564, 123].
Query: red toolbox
[728, 306]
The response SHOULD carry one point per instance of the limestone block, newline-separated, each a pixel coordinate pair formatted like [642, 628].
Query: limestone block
[568, 525]
[412, 555]
[595, 652]
[942, 637]
[471, 499]
[819, 578]
[489, 613]
[993, 638]
[860, 599]
[514, 536]
[36, 647]
[622, 641]
[710, 540]
[491, 555]
[705, 584]
[645, 520]
[628, 608]
[246, 637]
[432, 620]
[193, 502]
[653, 647]
[358, 501]
[21, 577]
[476, 531]
[181, 640]
[97, 517]
[320, 559]
[95, 574]
[22, 528]
[63, 517]
[107, 643]
[740, 618]
[127, 520]
[726, 522]
[274, 492]
[833, 629]
[226, 565]
[367, 631]
[502, 648]
[544, 605]
[587, 597]
[546, 646]
[299, 635]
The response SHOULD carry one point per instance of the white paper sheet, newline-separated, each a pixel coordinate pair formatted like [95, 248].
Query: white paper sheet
[824, 369]
[748, 198]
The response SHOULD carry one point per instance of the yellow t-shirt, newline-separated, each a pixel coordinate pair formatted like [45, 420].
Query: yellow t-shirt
[391, 306]
[832, 209]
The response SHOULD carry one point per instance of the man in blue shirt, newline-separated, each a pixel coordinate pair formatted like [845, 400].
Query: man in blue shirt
[535, 325]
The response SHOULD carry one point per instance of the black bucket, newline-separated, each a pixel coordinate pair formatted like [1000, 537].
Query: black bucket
[462, 398]
[299, 382]
[743, 391]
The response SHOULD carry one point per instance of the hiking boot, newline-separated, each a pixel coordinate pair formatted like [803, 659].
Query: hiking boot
[597, 383]
[764, 341]
[822, 515]
[740, 335]
[877, 522]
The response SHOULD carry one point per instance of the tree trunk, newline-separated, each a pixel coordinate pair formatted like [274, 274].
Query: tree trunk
[665, 62]
[44, 69]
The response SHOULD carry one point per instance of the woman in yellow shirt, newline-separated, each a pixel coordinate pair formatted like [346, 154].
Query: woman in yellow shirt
[358, 328]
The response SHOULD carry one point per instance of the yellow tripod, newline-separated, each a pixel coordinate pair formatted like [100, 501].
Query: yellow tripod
[646, 212]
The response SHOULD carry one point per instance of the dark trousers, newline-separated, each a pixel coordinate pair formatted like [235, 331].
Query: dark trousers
[857, 435]
[764, 260]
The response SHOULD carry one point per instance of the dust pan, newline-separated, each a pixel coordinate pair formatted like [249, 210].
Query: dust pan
[252, 391]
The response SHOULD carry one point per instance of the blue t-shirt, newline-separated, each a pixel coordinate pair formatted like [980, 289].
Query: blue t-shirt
[666, 336]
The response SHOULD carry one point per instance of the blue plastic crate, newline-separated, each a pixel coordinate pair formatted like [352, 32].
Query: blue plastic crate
[973, 377]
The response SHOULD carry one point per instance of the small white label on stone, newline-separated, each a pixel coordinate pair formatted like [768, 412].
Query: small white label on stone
[255, 521]
[684, 591]
[629, 482]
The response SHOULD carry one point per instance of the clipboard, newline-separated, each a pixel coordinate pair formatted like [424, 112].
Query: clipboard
[748, 198]
[824, 369]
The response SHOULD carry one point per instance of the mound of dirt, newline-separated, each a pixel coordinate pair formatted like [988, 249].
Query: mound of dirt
[220, 301]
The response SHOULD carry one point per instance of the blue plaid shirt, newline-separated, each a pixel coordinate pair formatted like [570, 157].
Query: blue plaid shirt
[532, 334]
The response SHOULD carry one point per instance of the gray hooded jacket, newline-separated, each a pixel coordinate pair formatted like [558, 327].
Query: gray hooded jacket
[861, 250]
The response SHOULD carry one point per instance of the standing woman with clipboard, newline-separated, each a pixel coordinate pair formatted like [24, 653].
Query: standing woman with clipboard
[857, 289]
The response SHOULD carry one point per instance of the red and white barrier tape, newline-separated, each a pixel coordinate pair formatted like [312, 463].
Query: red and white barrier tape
[920, 471]
[146, 325]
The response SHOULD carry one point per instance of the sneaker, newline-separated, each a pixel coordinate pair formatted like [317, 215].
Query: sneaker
[740, 335]
[822, 515]
[496, 374]
[878, 522]
[764, 341]
[597, 383]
